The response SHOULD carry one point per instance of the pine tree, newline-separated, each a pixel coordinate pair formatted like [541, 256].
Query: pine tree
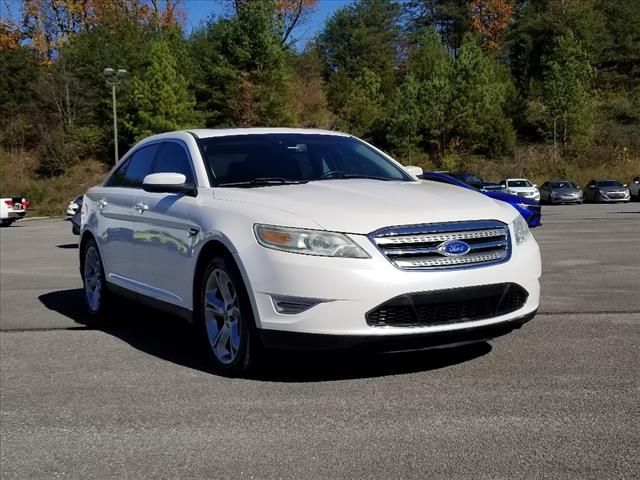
[161, 96]
[566, 87]
[477, 107]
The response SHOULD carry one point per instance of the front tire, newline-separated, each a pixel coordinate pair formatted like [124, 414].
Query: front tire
[226, 319]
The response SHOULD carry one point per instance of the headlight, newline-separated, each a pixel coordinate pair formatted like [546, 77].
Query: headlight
[308, 242]
[521, 230]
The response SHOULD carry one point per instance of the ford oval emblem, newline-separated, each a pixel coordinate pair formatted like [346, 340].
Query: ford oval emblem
[454, 248]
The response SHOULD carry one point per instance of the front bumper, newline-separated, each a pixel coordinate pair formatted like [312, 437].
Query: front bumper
[309, 341]
[566, 198]
[619, 198]
[347, 289]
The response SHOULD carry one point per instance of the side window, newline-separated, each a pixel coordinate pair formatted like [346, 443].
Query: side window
[117, 179]
[139, 166]
[173, 159]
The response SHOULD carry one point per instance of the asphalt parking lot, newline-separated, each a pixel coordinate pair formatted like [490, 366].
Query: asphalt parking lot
[134, 399]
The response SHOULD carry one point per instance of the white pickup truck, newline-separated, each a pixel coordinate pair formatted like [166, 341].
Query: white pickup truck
[12, 209]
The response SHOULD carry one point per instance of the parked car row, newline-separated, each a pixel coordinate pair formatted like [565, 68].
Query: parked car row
[596, 191]
[528, 207]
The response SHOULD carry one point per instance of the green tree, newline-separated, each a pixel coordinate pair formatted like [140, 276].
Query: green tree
[161, 96]
[432, 66]
[243, 72]
[359, 47]
[450, 18]
[567, 87]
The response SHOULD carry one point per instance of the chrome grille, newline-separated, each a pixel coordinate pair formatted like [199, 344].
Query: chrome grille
[420, 247]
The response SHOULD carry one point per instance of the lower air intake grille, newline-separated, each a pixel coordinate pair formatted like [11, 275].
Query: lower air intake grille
[449, 306]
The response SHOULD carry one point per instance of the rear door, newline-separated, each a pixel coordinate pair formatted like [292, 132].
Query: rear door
[164, 235]
[116, 215]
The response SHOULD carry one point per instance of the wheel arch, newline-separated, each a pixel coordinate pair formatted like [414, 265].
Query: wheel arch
[220, 247]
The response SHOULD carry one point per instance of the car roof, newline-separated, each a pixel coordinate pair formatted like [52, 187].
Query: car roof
[223, 132]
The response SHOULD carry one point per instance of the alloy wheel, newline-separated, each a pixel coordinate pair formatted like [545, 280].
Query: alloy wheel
[93, 275]
[222, 316]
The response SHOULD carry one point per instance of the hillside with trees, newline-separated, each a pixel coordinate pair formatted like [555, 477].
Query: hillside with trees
[541, 88]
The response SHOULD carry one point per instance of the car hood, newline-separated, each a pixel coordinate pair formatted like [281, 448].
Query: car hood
[565, 191]
[510, 198]
[523, 189]
[362, 206]
[613, 189]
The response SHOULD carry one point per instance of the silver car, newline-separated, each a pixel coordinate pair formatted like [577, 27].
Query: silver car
[608, 191]
[560, 191]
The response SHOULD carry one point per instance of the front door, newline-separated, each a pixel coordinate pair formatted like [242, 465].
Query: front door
[164, 235]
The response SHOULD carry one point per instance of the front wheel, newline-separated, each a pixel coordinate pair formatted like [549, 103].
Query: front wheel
[226, 319]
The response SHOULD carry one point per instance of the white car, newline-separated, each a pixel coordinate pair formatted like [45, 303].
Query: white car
[521, 187]
[74, 206]
[12, 209]
[303, 238]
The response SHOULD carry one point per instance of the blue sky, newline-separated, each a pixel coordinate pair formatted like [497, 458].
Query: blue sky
[200, 10]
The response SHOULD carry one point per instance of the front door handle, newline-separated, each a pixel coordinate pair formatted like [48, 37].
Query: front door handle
[102, 203]
[141, 207]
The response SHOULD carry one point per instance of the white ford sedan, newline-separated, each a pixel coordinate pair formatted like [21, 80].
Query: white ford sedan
[303, 239]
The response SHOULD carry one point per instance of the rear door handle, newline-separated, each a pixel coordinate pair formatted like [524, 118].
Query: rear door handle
[141, 207]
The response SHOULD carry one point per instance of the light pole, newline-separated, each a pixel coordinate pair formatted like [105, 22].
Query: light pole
[113, 77]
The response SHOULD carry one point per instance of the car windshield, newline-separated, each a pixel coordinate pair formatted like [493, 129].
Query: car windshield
[562, 185]
[519, 183]
[609, 183]
[279, 159]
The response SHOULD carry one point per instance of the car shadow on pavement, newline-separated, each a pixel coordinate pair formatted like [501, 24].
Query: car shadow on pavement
[68, 245]
[173, 340]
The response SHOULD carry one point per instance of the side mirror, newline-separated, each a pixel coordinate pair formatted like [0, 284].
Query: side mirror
[414, 171]
[625, 185]
[535, 186]
[168, 183]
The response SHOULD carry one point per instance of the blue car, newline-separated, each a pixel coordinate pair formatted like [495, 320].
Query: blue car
[529, 209]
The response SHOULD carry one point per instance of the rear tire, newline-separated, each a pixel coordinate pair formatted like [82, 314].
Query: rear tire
[97, 298]
[7, 222]
[226, 320]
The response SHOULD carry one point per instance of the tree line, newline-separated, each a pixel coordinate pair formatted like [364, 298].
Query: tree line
[423, 79]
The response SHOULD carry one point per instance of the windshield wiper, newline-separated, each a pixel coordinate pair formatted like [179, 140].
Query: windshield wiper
[341, 176]
[263, 182]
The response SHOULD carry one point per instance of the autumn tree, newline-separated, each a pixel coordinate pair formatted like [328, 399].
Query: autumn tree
[491, 18]
[48, 24]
